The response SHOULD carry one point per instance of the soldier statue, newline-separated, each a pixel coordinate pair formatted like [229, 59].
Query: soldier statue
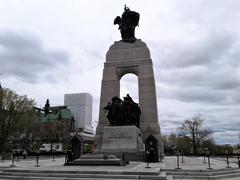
[127, 24]
[123, 113]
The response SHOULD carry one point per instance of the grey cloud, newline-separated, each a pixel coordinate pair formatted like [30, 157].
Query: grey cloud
[198, 65]
[23, 56]
[172, 116]
[215, 87]
[210, 77]
[204, 51]
[226, 137]
[198, 95]
[15, 40]
[171, 123]
[207, 84]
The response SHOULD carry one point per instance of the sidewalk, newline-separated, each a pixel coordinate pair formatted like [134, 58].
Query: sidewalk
[191, 168]
[169, 162]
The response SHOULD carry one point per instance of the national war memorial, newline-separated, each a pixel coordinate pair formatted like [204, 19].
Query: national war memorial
[130, 55]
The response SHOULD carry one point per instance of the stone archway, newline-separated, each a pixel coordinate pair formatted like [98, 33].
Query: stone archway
[129, 85]
[123, 58]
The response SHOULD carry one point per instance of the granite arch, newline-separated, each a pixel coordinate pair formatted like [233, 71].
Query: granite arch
[123, 58]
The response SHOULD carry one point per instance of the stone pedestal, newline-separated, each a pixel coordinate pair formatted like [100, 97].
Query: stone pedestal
[118, 139]
[123, 58]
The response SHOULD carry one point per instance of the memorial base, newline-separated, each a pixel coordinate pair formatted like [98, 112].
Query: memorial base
[123, 141]
[118, 139]
[99, 159]
[121, 144]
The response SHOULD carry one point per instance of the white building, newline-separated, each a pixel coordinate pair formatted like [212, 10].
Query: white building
[80, 105]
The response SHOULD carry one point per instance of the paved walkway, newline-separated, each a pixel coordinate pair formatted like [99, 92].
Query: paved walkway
[197, 163]
[169, 163]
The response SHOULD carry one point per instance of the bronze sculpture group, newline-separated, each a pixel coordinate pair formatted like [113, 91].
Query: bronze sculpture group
[123, 113]
[127, 24]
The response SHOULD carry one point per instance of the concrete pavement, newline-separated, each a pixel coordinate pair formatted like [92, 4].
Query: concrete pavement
[191, 167]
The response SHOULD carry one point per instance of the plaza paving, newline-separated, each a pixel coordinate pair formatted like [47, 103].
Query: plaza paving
[168, 165]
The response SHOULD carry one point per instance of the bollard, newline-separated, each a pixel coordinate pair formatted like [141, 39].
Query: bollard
[53, 154]
[3, 156]
[124, 158]
[72, 157]
[161, 158]
[147, 158]
[12, 165]
[18, 154]
[182, 157]
[238, 161]
[209, 164]
[204, 158]
[227, 160]
[37, 159]
[65, 157]
[177, 160]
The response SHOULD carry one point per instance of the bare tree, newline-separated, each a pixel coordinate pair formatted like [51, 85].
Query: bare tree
[192, 128]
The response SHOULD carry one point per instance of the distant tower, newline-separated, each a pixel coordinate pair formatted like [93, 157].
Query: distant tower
[80, 105]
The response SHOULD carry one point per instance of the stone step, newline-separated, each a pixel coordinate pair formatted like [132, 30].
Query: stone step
[155, 173]
[143, 177]
[18, 174]
[49, 178]
[90, 176]
[205, 175]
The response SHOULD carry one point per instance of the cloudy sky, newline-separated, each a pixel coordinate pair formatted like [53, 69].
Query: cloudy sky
[49, 48]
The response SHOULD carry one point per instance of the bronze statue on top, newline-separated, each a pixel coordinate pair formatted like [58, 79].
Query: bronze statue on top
[123, 113]
[127, 24]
